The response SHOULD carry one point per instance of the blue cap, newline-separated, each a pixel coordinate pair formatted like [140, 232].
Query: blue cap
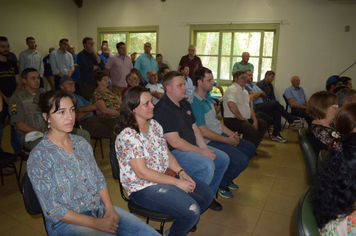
[333, 79]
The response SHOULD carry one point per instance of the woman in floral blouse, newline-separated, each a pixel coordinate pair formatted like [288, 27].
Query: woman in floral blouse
[107, 101]
[144, 158]
[322, 107]
[68, 183]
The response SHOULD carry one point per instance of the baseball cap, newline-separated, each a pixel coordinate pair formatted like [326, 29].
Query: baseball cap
[64, 79]
[332, 79]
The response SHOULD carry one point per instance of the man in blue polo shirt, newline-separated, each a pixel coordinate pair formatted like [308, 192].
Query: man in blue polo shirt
[297, 99]
[216, 134]
[144, 63]
[184, 139]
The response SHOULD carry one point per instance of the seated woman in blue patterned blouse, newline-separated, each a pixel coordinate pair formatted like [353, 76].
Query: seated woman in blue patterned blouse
[68, 183]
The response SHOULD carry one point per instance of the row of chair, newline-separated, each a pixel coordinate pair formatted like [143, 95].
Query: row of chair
[306, 223]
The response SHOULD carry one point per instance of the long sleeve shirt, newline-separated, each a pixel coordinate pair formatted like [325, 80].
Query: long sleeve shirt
[61, 62]
[28, 59]
[86, 62]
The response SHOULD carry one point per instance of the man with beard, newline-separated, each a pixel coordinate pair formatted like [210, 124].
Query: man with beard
[9, 82]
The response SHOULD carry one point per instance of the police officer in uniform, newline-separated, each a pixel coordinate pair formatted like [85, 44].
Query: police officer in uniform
[25, 113]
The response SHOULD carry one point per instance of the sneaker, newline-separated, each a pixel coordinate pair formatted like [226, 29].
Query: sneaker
[233, 186]
[296, 122]
[279, 138]
[215, 206]
[225, 192]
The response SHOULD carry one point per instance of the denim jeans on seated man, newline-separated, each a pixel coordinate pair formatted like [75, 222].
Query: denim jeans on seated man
[128, 225]
[174, 201]
[239, 158]
[203, 168]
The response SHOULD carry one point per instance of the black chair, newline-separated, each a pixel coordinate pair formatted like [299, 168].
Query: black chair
[32, 205]
[101, 146]
[306, 223]
[23, 158]
[287, 106]
[310, 159]
[133, 208]
[8, 160]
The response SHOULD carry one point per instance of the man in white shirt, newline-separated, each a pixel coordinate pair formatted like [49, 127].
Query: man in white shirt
[184, 69]
[30, 58]
[238, 112]
[61, 62]
[156, 89]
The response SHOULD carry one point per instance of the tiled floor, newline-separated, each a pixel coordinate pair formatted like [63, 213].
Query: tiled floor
[264, 205]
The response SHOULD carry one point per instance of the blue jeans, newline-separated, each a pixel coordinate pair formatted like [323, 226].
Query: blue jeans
[128, 225]
[239, 158]
[203, 168]
[185, 207]
[15, 138]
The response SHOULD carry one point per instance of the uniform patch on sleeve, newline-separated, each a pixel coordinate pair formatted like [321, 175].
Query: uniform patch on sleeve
[13, 108]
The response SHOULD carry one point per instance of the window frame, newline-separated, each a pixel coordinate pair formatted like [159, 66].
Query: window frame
[127, 30]
[251, 27]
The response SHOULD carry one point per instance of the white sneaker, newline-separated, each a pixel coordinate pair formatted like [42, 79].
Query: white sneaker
[296, 123]
[279, 138]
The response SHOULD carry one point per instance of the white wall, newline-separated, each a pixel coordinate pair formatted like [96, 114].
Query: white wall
[46, 20]
[312, 43]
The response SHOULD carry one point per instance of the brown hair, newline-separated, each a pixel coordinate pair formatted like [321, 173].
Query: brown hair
[167, 79]
[319, 102]
[99, 75]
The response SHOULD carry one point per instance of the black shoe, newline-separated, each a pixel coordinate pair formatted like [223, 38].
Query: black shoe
[193, 229]
[215, 206]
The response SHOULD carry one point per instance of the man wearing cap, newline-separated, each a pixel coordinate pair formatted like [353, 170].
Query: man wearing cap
[25, 113]
[297, 99]
[332, 83]
[118, 66]
[133, 56]
[98, 127]
[61, 62]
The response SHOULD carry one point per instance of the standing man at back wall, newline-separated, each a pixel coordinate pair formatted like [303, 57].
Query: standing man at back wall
[192, 60]
[144, 63]
[243, 64]
[89, 62]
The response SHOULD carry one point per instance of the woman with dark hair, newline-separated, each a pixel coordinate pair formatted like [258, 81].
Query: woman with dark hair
[333, 195]
[322, 107]
[69, 185]
[107, 101]
[143, 158]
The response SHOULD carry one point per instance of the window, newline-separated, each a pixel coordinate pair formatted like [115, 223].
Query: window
[133, 37]
[219, 47]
